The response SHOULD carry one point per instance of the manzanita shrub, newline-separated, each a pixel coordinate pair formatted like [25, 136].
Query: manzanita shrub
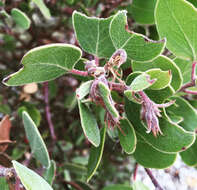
[150, 110]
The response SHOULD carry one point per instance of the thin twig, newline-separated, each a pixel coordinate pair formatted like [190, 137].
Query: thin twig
[193, 79]
[135, 171]
[47, 111]
[73, 184]
[154, 181]
[79, 73]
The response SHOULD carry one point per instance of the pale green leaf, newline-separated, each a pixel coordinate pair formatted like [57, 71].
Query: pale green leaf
[106, 95]
[83, 90]
[93, 34]
[140, 83]
[137, 46]
[95, 156]
[49, 173]
[149, 157]
[45, 63]
[127, 136]
[163, 78]
[20, 18]
[30, 179]
[36, 142]
[44, 10]
[177, 21]
[165, 64]
[89, 124]
[143, 11]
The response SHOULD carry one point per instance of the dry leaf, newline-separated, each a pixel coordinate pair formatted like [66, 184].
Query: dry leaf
[5, 160]
[5, 126]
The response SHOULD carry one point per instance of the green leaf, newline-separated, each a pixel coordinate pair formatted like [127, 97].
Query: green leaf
[105, 94]
[189, 155]
[95, 156]
[96, 39]
[177, 21]
[30, 179]
[89, 124]
[149, 157]
[77, 169]
[20, 18]
[37, 145]
[127, 136]
[183, 109]
[143, 11]
[31, 109]
[140, 83]
[137, 46]
[174, 138]
[138, 185]
[163, 78]
[163, 63]
[44, 10]
[3, 184]
[117, 187]
[185, 68]
[83, 90]
[194, 2]
[45, 63]
[49, 173]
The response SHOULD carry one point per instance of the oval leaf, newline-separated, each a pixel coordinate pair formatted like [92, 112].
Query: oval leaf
[36, 142]
[137, 46]
[49, 173]
[180, 33]
[127, 136]
[96, 39]
[30, 179]
[20, 18]
[149, 157]
[89, 124]
[174, 138]
[45, 63]
[96, 155]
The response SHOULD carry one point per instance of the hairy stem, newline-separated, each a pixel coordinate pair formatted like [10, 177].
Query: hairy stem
[153, 179]
[79, 73]
[47, 111]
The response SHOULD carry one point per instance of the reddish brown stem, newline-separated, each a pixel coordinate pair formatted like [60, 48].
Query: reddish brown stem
[73, 184]
[135, 171]
[153, 179]
[79, 73]
[47, 111]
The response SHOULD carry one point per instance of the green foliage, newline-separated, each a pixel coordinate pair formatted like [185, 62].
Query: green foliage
[143, 11]
[180, 33]
[35, 140]
[20, 18]
[140, 92]
[29, 178]
[45, 63]
[96, 155]
[89, 124]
